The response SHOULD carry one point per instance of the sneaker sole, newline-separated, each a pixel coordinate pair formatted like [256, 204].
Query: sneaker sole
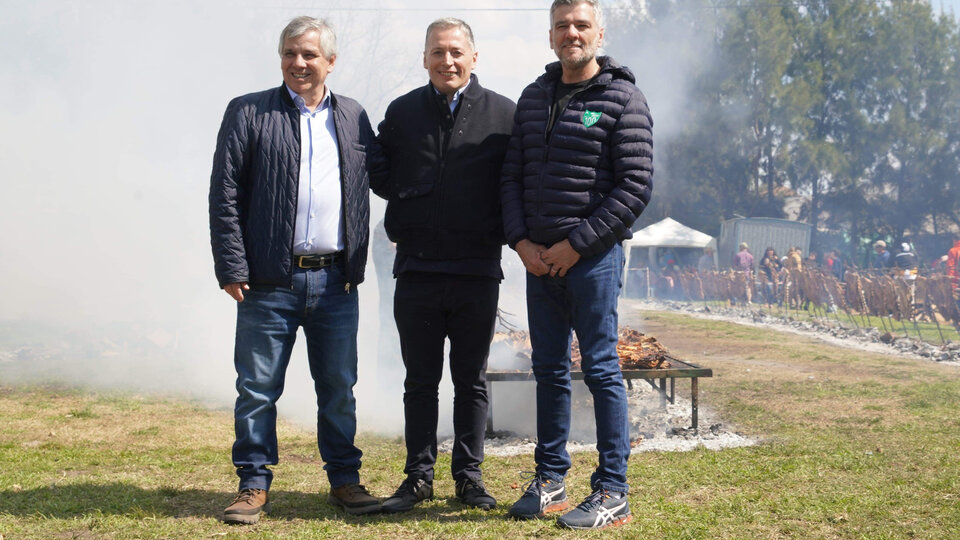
[555, 507]
[246, 519]
[615, 523]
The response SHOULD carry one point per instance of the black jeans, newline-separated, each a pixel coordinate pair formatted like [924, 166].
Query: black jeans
[428, 309]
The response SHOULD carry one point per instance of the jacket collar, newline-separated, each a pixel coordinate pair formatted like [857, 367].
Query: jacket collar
[288, 101]
[610, 69]
[473, 89]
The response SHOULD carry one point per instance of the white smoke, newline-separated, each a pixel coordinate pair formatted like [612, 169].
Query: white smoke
[110, 112]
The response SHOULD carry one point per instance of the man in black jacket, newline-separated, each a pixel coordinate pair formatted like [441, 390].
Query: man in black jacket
[442, 149]
[577, 175]
[289, 223]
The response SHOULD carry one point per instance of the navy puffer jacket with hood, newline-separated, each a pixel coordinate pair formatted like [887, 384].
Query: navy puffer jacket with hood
[589, 179]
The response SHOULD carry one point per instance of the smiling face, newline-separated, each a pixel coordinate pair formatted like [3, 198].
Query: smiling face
[575, 35]
[449, 59]
[304, 66]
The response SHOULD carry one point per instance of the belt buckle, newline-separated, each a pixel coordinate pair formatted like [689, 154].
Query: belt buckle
[300, 263]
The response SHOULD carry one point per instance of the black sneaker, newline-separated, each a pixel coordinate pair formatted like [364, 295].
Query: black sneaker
[541, 496]
[473, 493]
[409, 494]
[603, 508]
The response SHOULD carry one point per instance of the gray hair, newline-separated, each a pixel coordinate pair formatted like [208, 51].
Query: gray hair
[301, 25]
[450, 22]
[595, 4]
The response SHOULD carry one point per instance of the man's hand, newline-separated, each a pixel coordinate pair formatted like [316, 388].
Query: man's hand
[561, 256]
[236, 290]
[530, 255]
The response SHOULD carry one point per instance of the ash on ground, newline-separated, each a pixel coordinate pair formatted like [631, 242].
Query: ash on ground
[845, 335]
[652, 427]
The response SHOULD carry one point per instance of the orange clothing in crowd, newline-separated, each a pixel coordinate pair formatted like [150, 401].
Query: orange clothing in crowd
[953, 258]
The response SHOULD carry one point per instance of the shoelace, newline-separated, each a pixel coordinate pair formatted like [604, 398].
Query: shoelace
[472, 485]
[595, 499]
[533, 480]
[410, 485]
[357, 488]
[246, 495]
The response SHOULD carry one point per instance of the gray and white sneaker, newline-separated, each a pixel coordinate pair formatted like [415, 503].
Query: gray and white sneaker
[541, 496]
[602, 508]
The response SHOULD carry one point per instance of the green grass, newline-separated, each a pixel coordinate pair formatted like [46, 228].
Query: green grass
[854, 446]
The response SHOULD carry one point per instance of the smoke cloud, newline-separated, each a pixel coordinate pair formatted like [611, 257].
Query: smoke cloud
[110, 112]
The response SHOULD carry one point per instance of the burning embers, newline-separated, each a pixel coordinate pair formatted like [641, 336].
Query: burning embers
[636, 350]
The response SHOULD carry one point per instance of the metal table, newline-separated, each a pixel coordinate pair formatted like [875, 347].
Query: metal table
[678, 370]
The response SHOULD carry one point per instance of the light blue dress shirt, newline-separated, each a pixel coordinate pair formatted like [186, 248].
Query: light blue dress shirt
[319, 222]
[456, 96]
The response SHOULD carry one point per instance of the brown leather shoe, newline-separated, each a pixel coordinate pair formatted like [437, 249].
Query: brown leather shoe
[246, 508]
[355, 499]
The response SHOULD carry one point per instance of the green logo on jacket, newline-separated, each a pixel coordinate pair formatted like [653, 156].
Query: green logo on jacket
[590, 118]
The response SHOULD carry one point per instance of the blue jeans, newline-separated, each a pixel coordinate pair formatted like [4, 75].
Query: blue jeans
[267, 322]
[585, 300]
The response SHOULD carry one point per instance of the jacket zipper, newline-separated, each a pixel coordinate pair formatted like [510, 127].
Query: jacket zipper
[343, 194]
[548, 135]
[442, 146]
[296, 197]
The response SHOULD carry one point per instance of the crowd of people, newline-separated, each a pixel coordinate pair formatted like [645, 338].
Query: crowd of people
[769, 272]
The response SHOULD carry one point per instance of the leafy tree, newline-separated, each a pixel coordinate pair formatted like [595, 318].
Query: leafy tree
[853, 103]
[910, 124]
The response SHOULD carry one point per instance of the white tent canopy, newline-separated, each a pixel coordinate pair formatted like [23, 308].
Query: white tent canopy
[668, 233]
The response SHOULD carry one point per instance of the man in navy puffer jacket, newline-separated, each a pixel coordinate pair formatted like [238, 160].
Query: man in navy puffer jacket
[577, 174]
[289, 222]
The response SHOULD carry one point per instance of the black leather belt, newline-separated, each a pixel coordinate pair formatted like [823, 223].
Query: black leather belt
[317, 261]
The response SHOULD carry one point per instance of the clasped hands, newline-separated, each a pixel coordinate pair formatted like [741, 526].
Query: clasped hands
[540, 260]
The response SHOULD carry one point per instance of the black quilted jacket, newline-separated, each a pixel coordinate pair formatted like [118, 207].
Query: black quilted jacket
[592, 177]
[253, 187]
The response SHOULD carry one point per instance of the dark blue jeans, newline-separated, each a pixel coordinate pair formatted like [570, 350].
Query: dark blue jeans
[585, 300]
[267, 323]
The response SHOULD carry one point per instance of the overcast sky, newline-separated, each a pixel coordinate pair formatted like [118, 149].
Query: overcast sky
[948, 6]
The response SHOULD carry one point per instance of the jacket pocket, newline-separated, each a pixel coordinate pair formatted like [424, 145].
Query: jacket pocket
[411, 207]
[413, 191]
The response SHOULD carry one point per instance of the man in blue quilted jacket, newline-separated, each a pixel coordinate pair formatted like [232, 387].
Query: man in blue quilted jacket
[289, 226]
[577, 174]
